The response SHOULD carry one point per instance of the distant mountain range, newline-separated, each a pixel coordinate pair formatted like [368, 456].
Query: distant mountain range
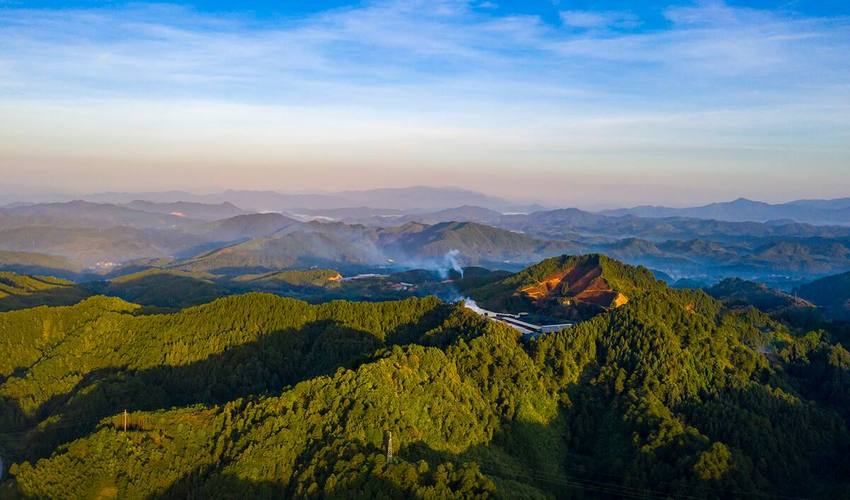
[569, 223]
[84, 214]
[80, 237]
[457, 204]
[199, 211]
[410, 198]
[820, 212]
[355, 246]
[464, 204]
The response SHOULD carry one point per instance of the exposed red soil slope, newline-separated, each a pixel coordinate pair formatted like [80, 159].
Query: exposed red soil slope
[581, 284]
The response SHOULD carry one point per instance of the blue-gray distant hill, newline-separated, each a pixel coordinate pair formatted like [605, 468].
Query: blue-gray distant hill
[820, 212]
[190, 210]
[416, 198]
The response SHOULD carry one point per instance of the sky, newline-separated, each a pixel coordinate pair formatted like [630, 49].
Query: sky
[572, 103]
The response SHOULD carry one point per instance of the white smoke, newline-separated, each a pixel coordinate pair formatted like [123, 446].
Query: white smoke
[451, 263]
[471, 305]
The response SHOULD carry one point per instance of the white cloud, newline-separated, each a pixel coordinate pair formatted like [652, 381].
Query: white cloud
[424, 84]
[598, 19]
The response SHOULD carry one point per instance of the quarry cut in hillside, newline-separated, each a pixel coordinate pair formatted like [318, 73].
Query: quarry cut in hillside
[567, 287]
[582, 283]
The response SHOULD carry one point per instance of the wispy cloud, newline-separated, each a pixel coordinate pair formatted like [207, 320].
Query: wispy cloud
[390, 43]
[538, 93]
[598, 19]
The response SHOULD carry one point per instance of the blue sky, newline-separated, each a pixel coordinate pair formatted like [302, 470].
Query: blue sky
[570, 102]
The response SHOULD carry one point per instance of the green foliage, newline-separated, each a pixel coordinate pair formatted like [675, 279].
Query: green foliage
[163, 288]
[593, 273]
[257, 396]
[307, 278]
[713, 463]
[832, 293]
[737, 292]
[18, 291]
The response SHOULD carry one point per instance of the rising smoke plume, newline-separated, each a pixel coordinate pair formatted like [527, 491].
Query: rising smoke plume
[451, 264]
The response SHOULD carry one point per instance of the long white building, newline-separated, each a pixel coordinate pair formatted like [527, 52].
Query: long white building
[528, 330]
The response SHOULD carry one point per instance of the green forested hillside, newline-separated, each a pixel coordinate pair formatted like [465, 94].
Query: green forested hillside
[36, 263]
[478, 243]
[18, 291]
[571, 287]
[312, 278]
[738, 292]
[831, 293]
[668, 395]
[166, 288]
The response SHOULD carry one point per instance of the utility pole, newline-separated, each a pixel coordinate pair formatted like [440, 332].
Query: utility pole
[125, 420]
[390, 449]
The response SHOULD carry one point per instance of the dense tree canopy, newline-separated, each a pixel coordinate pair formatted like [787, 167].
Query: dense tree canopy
[671, 394]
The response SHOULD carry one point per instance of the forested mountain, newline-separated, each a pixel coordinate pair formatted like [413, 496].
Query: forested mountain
[465, 213]
[354, 246]
[166, 288]
[108, 239]
[243, 227]
[569, 221]
[19, 291]
[831, 293]
[301, 246]
[738, 292]
[568, 287]
[197, 211]
[36, 263]
[91, 242]
[670, 394]
[797, 258]
[476, 243]
[310, 278]
[92, 248]
[83, 214]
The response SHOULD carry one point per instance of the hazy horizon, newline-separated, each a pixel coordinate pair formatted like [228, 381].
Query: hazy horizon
[46, 196]
[587, 104]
